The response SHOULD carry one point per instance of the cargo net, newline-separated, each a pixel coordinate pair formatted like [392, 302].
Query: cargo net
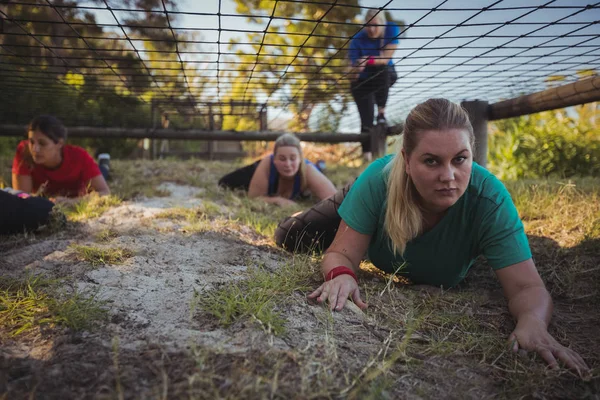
[290, 56]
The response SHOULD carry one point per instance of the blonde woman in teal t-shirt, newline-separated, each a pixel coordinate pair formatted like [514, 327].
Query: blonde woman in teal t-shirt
[427, 213]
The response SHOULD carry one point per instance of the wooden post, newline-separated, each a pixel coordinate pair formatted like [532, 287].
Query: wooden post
[211, 126]
[478, 114]
[378, 140]
[164, 143]
[262, 118]
[148, 145]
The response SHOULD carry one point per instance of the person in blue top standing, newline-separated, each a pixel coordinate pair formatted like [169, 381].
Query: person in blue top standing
[281, 177]
[427, 213]
[373, 72]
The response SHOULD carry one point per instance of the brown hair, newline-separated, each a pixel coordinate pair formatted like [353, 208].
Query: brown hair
[403, 216]
[50, 126]
[289, 139]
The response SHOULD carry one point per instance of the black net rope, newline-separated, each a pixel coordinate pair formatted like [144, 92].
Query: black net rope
[188, 55]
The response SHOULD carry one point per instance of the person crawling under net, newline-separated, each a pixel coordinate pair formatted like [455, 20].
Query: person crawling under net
[282, 177]
[433, 210]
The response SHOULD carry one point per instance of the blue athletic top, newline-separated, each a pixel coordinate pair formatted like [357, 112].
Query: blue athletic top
[363, 46]
[274, 180]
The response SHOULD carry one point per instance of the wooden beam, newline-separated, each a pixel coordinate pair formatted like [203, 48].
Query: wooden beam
[477, 110]
[190, 134]
[580, 92]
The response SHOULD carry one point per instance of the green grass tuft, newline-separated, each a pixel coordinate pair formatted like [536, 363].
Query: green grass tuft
[258, 297]
[36, 302]
[100, 256]
[106, 235]
[91, 206]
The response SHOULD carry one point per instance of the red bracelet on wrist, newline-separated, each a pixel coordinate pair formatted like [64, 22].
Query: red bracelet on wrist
[341, 270]
[370, 61]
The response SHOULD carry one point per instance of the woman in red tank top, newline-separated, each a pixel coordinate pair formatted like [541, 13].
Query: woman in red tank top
[44, 164]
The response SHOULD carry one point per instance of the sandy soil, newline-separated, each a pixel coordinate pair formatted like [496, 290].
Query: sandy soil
[151, 295]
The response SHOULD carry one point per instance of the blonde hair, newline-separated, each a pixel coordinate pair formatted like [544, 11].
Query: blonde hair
[291, 140]
[403, 216]
[376, 14]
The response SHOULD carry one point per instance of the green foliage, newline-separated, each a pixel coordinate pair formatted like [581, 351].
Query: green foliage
[328, 117]
[304, 54]
[71, 84]
[561, 143]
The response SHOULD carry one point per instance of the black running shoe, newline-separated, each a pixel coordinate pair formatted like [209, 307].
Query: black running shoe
[381, 120]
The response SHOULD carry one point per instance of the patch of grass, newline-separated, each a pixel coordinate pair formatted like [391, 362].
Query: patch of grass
[5, 170]
[206, 210]
[341, 175]
[261, 216]
[36, 302]
[101, 256]
[543, 205]
[199, 219]
[106, 235]
[137, 178]
[260, 296]
[211, 208]
[90, 206]
[180, 214]
[562, 220]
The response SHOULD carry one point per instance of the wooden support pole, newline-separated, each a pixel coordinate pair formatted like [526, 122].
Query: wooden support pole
[378, 141]
[149, 142]
[478, 111]
[154, 141]
[583, 91]
[211, 126]
[262, 118]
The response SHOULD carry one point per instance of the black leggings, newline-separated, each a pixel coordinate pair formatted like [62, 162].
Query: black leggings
[367, 92]
[18, 215]
[314, 229]
[240, 178]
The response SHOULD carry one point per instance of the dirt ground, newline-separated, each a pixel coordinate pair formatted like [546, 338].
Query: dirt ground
[158, 342]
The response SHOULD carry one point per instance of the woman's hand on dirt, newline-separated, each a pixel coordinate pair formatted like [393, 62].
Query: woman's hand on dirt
[531, 334]
[337, 291]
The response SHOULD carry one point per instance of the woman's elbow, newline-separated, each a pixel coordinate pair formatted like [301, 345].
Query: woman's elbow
[102, 190]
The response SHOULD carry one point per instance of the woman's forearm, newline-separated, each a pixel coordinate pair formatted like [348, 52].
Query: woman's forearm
[334, 259]
[533, 301]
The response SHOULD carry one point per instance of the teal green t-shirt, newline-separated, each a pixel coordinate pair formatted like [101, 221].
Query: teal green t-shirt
[484, 220]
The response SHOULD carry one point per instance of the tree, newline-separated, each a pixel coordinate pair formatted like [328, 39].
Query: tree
[80, 73]
[302, 57]
[83, 72]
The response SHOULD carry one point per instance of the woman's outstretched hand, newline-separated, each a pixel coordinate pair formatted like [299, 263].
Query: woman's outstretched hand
[531, 334]
[337, 291]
